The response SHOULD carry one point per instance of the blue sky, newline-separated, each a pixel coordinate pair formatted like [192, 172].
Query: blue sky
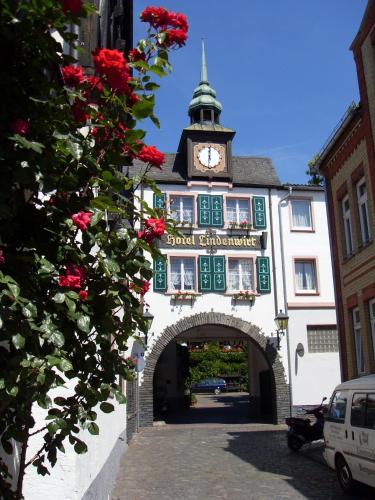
[282, 70]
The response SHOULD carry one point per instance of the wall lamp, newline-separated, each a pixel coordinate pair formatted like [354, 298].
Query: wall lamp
[281, 321]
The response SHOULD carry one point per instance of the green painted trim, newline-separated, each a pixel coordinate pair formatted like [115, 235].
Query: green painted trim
[160, 275]
[259, 212]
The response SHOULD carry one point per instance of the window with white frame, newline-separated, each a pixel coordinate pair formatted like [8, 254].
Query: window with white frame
[240, 274]
[371, 307]
[347, 226]
[182, 209]
[182, 273]
[238, 210]
[301, 215]
[358, 340]
[322, 338]
[305, 276]
[363, 211]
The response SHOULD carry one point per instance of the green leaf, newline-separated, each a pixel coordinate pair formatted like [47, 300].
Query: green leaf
[53, 360]
[29, 311]
[18, 341]
[23, 142]
[107, 407]
[65, 365]
[46, 267]
[71, 304]
[56, 338]
[151, 86]
[72, 295]
[157, 70]
[80, 447]
[83, 323]
[111, 266]
[119, 397]
[41, 378]
[98, 216]
[15, 289]
[143, 108]
[93, 428]
[59, 298]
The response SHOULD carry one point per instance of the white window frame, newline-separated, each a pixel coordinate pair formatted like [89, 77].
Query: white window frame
[359, 354]
[347, 223]
[182, 258]
[371, 306]
[364, 220]
[231, 258]
[237, 199]
[181, 197]
[301, 228]
[306, 291]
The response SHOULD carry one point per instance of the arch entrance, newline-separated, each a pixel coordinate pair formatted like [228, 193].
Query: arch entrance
[211, 325]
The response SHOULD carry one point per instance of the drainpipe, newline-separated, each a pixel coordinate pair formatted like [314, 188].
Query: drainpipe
[275, 295]
[285, 295]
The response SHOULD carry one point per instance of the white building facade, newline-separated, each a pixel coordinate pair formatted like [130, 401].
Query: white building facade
[249, 248]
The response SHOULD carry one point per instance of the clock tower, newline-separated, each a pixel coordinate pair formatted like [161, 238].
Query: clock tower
[205, 143]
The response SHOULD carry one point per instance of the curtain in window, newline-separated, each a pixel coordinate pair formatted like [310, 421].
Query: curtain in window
[243, 207]
[188, 265]
[175, 274]
[305, 276]
[246, 274]
[175, 208]
[231, 210]
[234, 274]
[187, 210]
[301, 213]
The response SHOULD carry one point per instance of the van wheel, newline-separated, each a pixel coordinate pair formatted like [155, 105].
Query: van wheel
[294, 443]
[344, 475]
[217, 391]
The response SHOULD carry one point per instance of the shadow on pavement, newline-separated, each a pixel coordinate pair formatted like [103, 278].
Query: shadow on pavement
[268, 452]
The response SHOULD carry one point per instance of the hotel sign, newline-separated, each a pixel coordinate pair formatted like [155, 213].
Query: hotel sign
[210, 241]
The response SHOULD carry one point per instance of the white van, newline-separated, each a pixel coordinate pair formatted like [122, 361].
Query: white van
[349, 432]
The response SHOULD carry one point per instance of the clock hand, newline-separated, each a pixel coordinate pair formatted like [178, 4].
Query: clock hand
[209, 155]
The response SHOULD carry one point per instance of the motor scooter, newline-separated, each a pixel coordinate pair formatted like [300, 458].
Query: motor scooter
[301, 431]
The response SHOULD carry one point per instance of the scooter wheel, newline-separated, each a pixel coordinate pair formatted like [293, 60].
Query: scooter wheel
[344, 475]
[294, 443]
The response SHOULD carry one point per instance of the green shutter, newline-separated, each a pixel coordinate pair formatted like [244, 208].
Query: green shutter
[218, 266]
[259, 212]
[160, 274]
[264, 276]
[205, 273]
[204, 210]
[159, 200]
[217, 211]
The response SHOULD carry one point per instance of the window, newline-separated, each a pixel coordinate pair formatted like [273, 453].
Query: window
[238, 210]
[181, 208]
[363, 211]
[347, 226]
[337, 409]
[241, 274]
[322, 339]
[182, 273]
[305, 276]
[358, 340]
[301, 215]
[363, 410]
[371, 307]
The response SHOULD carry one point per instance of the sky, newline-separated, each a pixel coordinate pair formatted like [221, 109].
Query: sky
[282, 70]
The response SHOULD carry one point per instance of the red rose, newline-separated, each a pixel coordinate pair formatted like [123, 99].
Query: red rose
[143, 289]
[94, 83]
[73, 6]
[180, 21]
[149, 154]
[20, 127]
[79, 110]
[154, 228]
[74, 277]
[175, 37]
[2, 258]
[136, 55]
[72, 75]
[158, 17]
[82, 220]
[112, 65]
[83, 295]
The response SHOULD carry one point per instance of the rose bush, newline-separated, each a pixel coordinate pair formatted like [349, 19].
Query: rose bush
[73, 236]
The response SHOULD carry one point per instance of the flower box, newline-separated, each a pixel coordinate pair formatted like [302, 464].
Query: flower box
[244, 296]
[244, 226]
[184, 296]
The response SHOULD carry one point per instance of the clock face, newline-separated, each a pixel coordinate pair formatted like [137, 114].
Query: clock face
[209, 157]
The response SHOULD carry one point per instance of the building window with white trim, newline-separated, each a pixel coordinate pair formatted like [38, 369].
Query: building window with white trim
[301, 215]
[347, 226]
[305, 276]
[371, 307]
[240, 274]
[358, 341]
[182, 273]
[182, 209]
[238, 210]
[363, 211]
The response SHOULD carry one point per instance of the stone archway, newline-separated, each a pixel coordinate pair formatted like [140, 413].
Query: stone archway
[280, 389]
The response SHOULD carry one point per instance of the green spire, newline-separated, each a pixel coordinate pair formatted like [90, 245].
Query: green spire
[204, 77]
[204, 98]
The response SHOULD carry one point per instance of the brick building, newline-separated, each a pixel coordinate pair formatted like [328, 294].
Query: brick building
[347, 162]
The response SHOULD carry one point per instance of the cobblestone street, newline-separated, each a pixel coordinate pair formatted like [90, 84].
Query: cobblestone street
[209, 460]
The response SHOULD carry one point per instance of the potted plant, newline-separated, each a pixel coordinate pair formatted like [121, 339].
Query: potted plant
[193, 399]
[244, 295]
